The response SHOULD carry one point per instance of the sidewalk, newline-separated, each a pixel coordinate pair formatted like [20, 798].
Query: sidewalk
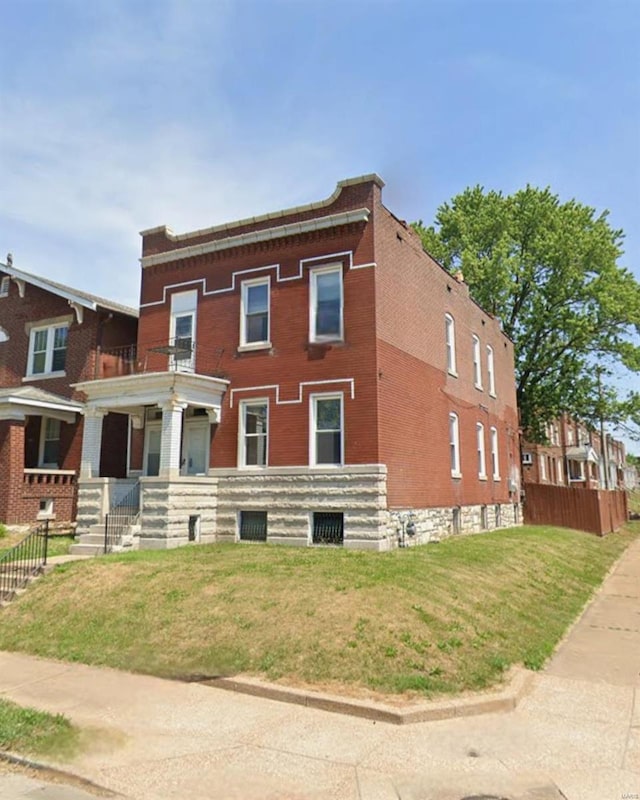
[577, 732]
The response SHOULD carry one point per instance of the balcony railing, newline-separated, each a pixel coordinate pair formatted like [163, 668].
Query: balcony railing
[172, 355]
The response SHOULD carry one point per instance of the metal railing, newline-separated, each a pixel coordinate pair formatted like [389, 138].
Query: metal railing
[121, 516]
[23, 562]
[178, 354]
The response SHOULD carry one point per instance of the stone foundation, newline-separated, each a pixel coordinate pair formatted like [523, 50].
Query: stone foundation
[435, 524]
[167, 507]
[290, 496]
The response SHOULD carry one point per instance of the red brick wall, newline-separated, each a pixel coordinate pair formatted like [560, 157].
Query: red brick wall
[394, 349]
[19, 502]
[416, 393]
[291, 360]
[11, 469]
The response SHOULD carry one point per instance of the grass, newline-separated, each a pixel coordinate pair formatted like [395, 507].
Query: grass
[430, 620]
[634, 501]
[31, 732]
[58, 544]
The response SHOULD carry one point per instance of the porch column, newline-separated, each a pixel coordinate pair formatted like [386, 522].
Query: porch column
[12, 510]
[171, 439]
[91, 442]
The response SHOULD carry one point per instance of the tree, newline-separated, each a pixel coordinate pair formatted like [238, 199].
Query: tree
[550, 272]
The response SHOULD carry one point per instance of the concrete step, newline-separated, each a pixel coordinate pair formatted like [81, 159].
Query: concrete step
[91, 538]
[86, 549]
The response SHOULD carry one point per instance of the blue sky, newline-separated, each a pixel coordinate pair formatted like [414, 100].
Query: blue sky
[117, 115]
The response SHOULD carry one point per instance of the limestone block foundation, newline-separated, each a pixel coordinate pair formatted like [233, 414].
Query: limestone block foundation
[167, 506]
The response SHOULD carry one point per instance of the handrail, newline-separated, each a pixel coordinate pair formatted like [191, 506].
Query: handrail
[124, 513]
[24, 561]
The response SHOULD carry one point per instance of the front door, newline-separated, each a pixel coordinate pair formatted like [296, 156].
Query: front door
[152, 449]
[195, 449]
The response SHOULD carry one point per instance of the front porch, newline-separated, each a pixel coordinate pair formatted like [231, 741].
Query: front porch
[39, 432]
[172, 419]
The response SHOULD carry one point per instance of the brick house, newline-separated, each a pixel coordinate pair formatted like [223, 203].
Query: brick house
[573, 455]
[308, 376]
[50, 337]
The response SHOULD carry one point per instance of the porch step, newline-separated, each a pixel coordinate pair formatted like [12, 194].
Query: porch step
[86, 549]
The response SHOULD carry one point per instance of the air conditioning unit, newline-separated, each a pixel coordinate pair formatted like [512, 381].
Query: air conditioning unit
[527, 459]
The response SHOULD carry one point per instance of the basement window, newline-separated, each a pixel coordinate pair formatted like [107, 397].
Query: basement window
[456, 520]
[498, 513]
[328, 527]
[484, 517]
[253, 526]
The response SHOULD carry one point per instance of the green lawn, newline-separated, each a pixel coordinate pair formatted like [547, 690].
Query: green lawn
[634, 501]
[433, 620]
[31, 732]
[57, 546]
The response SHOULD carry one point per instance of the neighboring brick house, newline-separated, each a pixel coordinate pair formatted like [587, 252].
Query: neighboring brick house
[573, 456]
[50, 337]
[308, 376]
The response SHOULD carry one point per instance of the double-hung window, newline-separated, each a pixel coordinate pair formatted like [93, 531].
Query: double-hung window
[495, 462]
[254, 422]
[477, 368]
[49, 443]
[47, 350]
[182, 345]
[254, 315]
[450, 334]
[491, 371]
[327, 304]
[482, 466]
[454, 445]
[4, 286]
[327, 430]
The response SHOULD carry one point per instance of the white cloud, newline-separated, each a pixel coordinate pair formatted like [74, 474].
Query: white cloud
[79, 180]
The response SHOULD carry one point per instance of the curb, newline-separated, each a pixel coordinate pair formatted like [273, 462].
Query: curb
[519, 684]
[71, 778]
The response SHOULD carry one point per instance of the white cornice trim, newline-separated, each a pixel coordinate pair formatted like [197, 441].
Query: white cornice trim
[279, 232]
[154, 388]
[272, 215]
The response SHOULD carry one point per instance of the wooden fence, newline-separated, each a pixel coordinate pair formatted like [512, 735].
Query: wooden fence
[593, 510]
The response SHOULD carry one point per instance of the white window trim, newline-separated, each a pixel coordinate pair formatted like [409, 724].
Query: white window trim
[313, 276]
[491, 371]
[48, 359]
[4, 286]
[313, 398]
[42, 464]
[244, 290]
[453, 418]
[450, 344]
[495, 453]
[481, 452]
[242, 453]
[477, 364]
[543, 467]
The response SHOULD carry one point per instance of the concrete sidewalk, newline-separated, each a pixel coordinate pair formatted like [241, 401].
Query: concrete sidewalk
[577, 732]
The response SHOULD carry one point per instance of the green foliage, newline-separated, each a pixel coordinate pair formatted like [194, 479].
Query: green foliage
[549, 271]
[25, 730]
[3, 531]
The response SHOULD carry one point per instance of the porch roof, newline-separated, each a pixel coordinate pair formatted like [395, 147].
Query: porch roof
[17, 402]
[129, 393]
[584, 453]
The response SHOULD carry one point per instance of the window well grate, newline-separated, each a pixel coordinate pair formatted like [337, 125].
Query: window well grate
[328, 527]
[253, 526]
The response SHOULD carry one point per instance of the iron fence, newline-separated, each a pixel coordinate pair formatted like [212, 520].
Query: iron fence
[23, 562]
[121, 516]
